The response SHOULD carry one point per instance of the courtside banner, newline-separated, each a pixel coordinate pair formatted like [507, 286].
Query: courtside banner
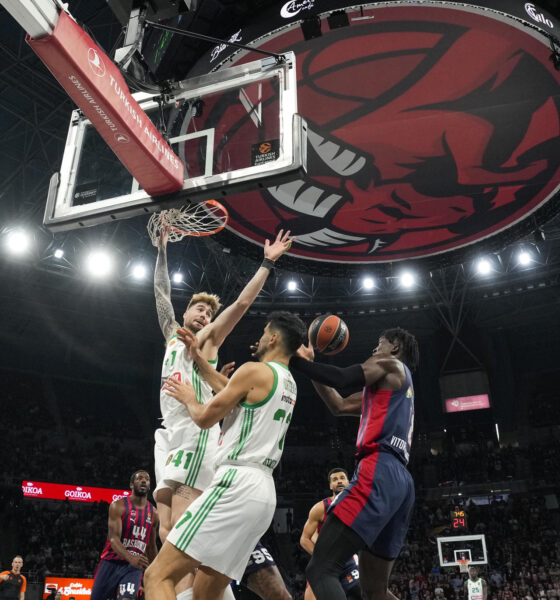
[96, 85]
[62, 491]
[69, 586]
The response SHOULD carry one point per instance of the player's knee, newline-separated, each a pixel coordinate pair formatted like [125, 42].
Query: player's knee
[150, 578]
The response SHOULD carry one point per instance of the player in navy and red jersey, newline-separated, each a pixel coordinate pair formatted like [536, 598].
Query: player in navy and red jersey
[372, 514]
[130, 545]
[350, 578]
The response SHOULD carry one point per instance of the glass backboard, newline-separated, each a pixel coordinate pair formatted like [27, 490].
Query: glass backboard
[234, 130]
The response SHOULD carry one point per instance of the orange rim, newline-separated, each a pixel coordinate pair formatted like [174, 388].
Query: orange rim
[215, 204]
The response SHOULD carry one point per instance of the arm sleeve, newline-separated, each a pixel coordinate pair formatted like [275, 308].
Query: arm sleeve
[330, 375]
[23, 587]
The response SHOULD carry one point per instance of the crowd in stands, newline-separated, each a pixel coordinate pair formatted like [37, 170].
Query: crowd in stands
[65, 538]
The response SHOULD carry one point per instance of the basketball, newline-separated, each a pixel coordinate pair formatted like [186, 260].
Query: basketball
[328, 334]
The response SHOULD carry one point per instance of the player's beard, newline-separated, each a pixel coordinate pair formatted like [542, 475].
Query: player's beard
[141, 492]
[260, 352]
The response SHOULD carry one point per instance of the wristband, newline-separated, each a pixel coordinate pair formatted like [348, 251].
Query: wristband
[267, 263]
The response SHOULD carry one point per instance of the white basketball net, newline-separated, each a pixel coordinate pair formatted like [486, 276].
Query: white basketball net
[201, 219]
[463, 566]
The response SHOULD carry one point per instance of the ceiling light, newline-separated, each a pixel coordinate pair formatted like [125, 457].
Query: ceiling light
[18, 241]
[59, 253]
[292, 285]
[368, 283]
[524, 258]
[408, 279]
[484, 266]
[99, 263]
[177, 277]
[139, 271]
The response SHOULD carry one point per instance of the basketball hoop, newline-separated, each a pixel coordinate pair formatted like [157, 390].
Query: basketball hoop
[200, 219]
[463, 565]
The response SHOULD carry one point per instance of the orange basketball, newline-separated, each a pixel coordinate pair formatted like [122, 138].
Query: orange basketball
[328, 334]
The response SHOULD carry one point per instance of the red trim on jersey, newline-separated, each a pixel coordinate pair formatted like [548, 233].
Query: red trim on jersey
[352, 504]
[379, 405]
[326, 503]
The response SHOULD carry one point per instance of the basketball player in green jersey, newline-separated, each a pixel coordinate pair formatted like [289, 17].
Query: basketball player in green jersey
[220, 529]
[185, 454]
[475, 587]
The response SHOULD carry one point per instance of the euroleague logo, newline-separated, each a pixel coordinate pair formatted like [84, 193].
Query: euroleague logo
[409, 155]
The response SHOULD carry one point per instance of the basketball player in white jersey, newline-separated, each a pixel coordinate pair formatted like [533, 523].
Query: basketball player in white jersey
[185, 454]
[475, 587]
[220, 529]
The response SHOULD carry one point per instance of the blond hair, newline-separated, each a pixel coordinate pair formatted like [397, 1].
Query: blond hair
[212, 300]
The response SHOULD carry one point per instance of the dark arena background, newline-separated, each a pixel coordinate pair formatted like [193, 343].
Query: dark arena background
[430, 203]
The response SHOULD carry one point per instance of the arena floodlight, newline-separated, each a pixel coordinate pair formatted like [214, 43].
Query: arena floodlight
[292, 285]
[408, 279]
[99, 263]
[368, 283]
[484, 266]
[177, 277]
[524, 258]
[139, 271]
[59, 253]
[18, 241]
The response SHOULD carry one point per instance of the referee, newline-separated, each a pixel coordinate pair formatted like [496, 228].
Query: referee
[13, 583]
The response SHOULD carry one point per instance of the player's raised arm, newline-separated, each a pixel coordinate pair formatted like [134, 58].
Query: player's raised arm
[116, 511]
[316, 515]
[224, 323]
[329, 375]
[162, 289]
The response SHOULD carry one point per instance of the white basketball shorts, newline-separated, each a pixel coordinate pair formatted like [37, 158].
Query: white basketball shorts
[222, 526]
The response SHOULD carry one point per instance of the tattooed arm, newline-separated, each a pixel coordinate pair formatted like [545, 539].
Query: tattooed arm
[162, 290]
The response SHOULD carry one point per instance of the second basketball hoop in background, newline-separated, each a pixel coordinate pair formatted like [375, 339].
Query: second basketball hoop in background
[328, 334]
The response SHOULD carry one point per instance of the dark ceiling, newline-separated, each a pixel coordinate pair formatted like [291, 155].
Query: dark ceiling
[34, 114]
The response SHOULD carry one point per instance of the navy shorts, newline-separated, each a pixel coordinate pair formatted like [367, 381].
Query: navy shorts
[260, 559]
[116, 579]
[378, 503]
[350, 577]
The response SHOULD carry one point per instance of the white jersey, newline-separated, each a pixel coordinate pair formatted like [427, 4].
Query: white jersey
[179, 364]
[183, 452]
[254, 433]
[475, 589]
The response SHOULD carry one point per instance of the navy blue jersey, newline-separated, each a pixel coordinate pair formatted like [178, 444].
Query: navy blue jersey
[387, 420]
[136, 530]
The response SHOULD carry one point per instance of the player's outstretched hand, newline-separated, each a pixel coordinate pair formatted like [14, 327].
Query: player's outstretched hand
[181, 391]
[306, 352]
[190, 340]
[227, 369]
[4, 577]
[281, 244]
[163, 236]
[138, 561]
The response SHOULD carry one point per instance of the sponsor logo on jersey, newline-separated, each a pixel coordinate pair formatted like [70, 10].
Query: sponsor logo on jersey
[409, 392]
